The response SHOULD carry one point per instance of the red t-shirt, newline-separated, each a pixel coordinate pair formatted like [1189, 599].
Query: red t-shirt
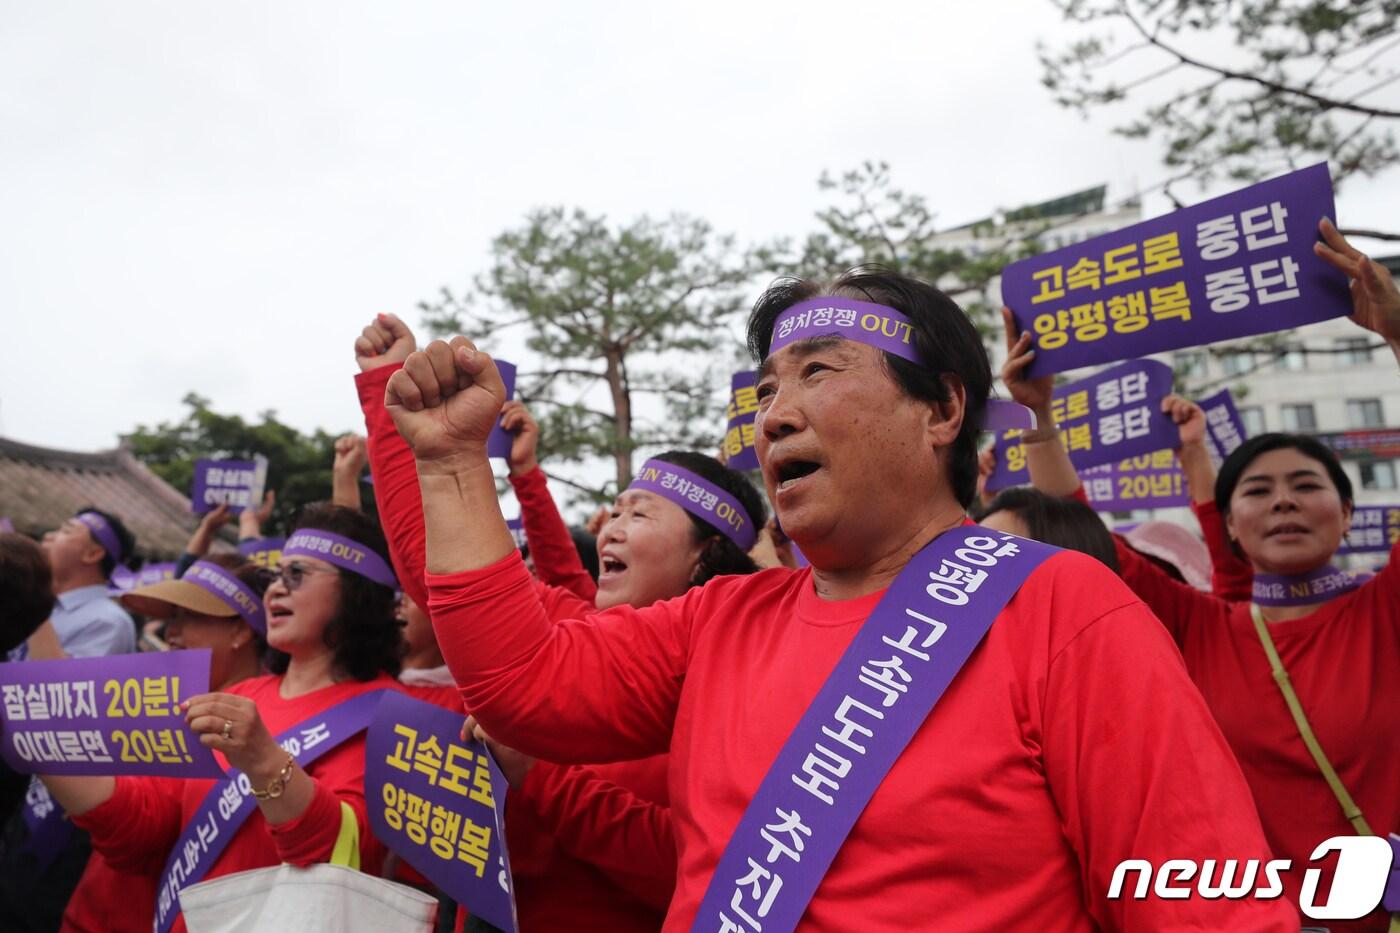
[110, 901]
[138, 825]
[1062, 748]
[591, 848]
[1344, 662]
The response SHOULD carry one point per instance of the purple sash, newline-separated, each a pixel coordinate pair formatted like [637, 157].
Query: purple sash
[230, 802]
[1271, 589]
[861, 720]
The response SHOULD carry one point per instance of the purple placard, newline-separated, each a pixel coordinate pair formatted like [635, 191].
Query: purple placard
[122, 580]
[1374, 529]
[7, 526]
[1148, 481]
[437, 802]
[517, 531]
[739, 451]
[265, 552]
[700, 498]
[155, 573]
[1229, 267]
[1113, 414]
[1224, 427]
[1001, 415]
[1390, 899]
[499, 441]
[235, 483]
[879, 326]
[105, 716]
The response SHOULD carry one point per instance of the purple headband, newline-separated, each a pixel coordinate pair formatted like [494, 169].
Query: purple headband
[1272, 589]
[230, 590]
[341, 551]
[103, 533]
[700, 498]
[828, 316]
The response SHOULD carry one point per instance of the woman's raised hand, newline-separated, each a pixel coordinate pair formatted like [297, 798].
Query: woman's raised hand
[445, 401]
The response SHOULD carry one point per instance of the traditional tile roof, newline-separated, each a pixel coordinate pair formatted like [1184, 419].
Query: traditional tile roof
[40, 488]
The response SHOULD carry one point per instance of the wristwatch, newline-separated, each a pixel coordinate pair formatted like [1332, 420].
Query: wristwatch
[278, 784]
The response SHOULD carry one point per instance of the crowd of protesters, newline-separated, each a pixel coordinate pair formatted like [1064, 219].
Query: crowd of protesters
[636, 684]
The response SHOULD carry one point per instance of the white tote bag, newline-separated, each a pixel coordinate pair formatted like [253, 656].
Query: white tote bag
[321, 897]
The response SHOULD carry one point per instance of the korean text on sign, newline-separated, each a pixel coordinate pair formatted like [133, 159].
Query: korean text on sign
[237, 484]
[436, 801]
[1230, 267]
[105, 716]
[1113, 414]
[738, 437]
[1375, 529]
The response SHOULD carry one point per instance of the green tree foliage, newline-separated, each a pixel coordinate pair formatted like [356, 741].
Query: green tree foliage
[299, 465]
[613, 316]
[1257, 87]
[872, 221]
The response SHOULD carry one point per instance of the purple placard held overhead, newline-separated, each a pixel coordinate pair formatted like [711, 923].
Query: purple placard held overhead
[1224, 427]
[437, 802]
[1374, 529]
[235, 483]
[738, 437]
[498, 443]
[517, 531]
[1001, 415]
[105, 716]
[1229, 267]
[1111, 415]
[1149, 481]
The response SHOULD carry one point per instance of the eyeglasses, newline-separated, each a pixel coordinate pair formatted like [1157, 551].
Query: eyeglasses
[292, 574]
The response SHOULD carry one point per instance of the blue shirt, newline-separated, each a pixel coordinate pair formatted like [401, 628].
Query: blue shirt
[89, 624]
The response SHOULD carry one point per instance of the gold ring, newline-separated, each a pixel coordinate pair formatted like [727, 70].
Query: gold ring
[228, 729]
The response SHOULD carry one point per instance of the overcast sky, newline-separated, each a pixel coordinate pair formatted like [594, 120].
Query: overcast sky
[216, 197]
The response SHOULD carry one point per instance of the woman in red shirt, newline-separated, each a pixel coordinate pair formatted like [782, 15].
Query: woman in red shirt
[332, 636]
[1286, 504]
[593, 846]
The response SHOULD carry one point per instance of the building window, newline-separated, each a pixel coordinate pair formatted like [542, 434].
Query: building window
[1378, 474]
[1365, 413]
[1299, 417]
[1237, 362]
[1253, 421]
[1190, 364]
[1354, 350]
[1293, 359]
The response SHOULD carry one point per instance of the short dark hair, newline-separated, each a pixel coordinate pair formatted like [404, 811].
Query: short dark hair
[26, 589]
[125, 538]
[943, 335]
[720, 555]
[1232, 470]
[364, 633]
[1066, 523]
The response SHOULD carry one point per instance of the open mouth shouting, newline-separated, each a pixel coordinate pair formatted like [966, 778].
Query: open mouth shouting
[792, 472]
[610, 567]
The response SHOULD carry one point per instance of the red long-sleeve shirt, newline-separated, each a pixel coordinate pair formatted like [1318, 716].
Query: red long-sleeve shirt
[591, 847]
[1073, 739]
[1231, 576]
[137, 826]
[1344, 662]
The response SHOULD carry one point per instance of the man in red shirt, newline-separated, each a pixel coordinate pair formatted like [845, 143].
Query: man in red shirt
[1070, 741]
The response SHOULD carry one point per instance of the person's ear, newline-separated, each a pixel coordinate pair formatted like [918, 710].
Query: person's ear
[945, 418]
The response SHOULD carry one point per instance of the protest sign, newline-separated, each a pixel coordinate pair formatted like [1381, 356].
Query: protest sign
[1229, 267]
[265, 552]
[738, 437]
[499, 441]
[1113, 414]
[1148, 481]
[7, 526]
[437, 802]
[105, 716]
[517, 531]
[1374, 528]
[1224, 427]
[1364, 444]
[235, 483]
[122, 580]
[155, 573]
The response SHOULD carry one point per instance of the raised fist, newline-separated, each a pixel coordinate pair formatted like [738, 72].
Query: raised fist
[516, 419]
[445, 402]
[351, 455]
[387, 340]
[1190, 420]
